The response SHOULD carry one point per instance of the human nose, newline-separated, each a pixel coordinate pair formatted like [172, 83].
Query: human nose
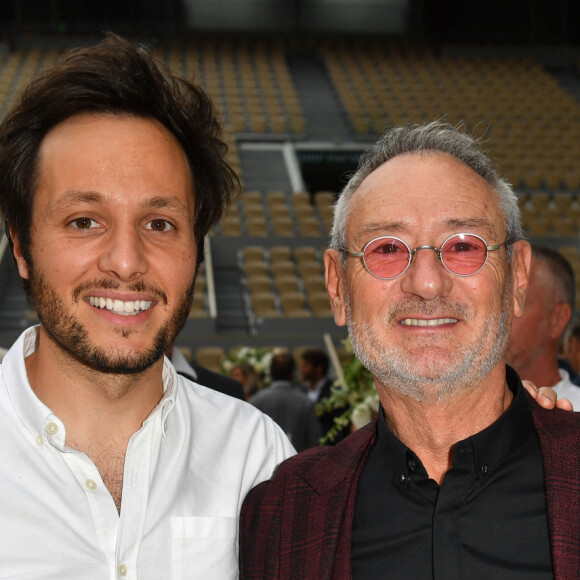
[124, 256]
[426, 276]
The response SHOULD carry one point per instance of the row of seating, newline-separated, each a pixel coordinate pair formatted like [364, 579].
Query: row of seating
[555, 215]
[281, 281]
[18, 68]
[544, 214]
[248, 80]
[279, 214]
[532, 123]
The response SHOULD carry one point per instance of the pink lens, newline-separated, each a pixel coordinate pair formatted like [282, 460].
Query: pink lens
[386, 257]
[464, 254]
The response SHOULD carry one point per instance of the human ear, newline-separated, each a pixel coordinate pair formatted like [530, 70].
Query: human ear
[520, 265]
[334, 273]
[561, 314]
[20, 261]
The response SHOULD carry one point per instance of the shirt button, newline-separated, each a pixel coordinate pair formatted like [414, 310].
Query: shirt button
[412, 464]
[40, 440]
[122, 570]
[52, 428]
[484, 469]
[91, 485]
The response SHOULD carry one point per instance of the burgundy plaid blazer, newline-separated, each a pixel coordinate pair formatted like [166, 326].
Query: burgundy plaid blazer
[297, 526]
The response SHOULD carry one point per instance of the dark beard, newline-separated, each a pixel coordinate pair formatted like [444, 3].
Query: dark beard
[70, 334]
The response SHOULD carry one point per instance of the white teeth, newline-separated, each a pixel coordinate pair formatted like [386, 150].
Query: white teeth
[424, 322]
[129, 308]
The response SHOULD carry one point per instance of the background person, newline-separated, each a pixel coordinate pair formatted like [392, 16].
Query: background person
[313, 370]
[536, 336]
[246, 374]
[571, 350]
[284, 402]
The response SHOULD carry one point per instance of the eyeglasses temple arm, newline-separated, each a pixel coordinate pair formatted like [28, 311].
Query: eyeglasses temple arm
[498, 246]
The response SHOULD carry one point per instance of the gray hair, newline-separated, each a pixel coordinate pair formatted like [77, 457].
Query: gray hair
[433, 136]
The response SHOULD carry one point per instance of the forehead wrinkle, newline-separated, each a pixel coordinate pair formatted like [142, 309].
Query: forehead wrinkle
[161, 202]
[476, 223]
[376, 229]
[72, 198]
[454, 225]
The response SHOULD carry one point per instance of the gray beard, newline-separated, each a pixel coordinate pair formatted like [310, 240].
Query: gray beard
[392, 367]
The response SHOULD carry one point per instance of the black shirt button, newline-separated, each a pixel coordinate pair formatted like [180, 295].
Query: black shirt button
[412, 464]
[484, 469]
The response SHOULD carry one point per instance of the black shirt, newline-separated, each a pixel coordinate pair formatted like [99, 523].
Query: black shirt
[486, 520]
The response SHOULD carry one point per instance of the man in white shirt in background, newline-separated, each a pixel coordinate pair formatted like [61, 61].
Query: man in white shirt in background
[571, 351]
[112, 465]
[535, 337]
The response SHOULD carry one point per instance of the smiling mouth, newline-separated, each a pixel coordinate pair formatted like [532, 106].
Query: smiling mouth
[129, 308]
[431, 322]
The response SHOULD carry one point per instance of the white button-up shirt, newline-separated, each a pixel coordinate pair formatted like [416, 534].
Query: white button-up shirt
[187, 471]
[566, 389]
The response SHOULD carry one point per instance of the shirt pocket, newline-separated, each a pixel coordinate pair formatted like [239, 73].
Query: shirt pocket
[205, 548]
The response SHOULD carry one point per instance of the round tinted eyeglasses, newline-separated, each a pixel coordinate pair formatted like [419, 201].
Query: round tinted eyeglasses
[461, 254]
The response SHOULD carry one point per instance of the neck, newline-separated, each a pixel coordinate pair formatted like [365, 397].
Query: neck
[542, 370]
[431, 429]
[90, 402]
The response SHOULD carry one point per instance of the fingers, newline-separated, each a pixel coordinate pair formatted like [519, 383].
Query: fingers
[531, 388]
[564, 404]
[547, 397]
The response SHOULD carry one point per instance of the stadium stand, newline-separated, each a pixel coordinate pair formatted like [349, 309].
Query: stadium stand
[267, 251]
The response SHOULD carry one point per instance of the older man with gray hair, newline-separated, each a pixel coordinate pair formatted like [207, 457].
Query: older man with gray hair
[536, 336]
[462, 475]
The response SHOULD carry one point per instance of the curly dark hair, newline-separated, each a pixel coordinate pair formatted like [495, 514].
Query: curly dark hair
[114, 77]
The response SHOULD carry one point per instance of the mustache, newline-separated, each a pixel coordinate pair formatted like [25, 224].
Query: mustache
[106, 284]
[416, 306]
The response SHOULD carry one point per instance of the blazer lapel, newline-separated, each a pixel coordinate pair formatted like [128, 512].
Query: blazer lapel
[321, 508]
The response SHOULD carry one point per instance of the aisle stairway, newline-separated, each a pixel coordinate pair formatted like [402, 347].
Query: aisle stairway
[325, 120]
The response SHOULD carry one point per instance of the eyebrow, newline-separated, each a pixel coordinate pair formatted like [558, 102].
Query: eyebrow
[398, 227]
[74, 198]
[478, 223]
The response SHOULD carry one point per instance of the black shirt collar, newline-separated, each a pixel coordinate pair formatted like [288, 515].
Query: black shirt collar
[485, 450]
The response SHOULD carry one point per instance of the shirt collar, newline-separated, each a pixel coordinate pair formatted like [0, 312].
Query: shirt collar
[486, 449]
[281, 384]
[170, 386]
[564, 377]
[318, 386]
